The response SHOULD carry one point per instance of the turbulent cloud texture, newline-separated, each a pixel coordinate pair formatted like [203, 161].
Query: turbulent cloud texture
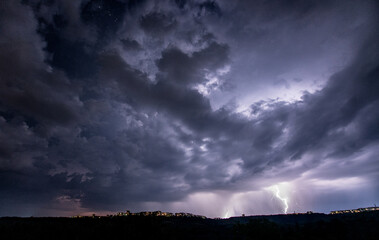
[196, 106]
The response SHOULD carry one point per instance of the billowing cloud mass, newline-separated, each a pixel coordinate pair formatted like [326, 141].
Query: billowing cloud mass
[210, 107]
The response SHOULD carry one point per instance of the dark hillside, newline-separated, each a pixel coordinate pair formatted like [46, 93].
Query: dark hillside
[302, 226]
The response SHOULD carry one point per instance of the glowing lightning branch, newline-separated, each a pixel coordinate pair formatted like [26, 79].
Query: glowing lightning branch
[275, 189]
[226, 214]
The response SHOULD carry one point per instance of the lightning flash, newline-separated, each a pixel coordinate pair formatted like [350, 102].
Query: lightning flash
[226, 214]
[276, 191]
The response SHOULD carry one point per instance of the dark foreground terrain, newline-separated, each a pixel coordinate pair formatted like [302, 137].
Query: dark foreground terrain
[303, 226]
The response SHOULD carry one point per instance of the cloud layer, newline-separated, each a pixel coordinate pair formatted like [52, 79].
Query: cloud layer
[195, 106]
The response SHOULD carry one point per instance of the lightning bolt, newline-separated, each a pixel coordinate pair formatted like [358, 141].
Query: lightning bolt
[226, 214]
[276, 191]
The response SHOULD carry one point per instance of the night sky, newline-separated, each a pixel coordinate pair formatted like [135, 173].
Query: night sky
[218, 108]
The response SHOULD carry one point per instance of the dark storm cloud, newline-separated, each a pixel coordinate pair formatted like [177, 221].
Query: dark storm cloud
[181, 68]
[343, 101]
[28, 85]
[169, 94]
[157, 23]
[129, 44]
[100, 107]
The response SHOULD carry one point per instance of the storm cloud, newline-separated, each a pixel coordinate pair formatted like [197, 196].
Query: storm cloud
[196, 106]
